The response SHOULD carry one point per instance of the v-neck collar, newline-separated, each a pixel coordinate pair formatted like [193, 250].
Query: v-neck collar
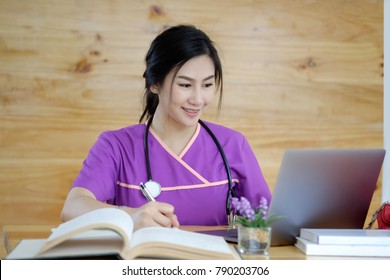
[186, 148]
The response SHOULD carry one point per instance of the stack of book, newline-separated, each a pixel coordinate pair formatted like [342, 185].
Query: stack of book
[344, 242]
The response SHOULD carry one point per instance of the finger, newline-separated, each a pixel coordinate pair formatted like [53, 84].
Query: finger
[165, 208]
[163, 220]
[168, 211]
[174, 221]
[162, 214]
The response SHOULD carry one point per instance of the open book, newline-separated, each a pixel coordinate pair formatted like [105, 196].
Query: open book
[109, 231]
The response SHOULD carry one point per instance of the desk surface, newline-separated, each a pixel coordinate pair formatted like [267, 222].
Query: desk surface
[14, 233]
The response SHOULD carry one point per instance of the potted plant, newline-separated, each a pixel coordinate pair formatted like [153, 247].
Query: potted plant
[254, 231]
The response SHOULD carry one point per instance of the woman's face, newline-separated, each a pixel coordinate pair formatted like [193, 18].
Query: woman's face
[183, 99]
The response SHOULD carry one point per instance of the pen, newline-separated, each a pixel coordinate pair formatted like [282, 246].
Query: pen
[146, 192]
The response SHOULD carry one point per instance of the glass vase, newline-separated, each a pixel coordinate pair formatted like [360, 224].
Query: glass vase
[254, 240]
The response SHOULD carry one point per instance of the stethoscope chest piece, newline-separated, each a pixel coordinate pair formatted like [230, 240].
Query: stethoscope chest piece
[153, 187]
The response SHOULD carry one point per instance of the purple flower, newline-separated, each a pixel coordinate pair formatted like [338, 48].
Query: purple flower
[243, 207]
[263, 207]
[234, 203]
[263, 203]
[252, 217]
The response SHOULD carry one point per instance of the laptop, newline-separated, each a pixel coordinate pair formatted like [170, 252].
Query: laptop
[323, 188]
[320, 188]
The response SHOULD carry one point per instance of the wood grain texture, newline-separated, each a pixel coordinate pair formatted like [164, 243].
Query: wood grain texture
[297, 74]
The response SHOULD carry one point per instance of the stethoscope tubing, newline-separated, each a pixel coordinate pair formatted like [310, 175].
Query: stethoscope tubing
[146, 148]
[226, 164]
[231, 192]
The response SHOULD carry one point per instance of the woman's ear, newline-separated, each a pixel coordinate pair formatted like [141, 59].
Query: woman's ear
[154, 89]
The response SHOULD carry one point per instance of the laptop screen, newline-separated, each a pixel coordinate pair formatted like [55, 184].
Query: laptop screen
[323, 188]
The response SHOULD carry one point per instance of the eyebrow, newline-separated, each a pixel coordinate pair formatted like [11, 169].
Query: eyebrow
[191, 79]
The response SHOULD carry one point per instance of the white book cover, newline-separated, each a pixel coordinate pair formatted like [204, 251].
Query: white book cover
[346, 236]
[310, 248]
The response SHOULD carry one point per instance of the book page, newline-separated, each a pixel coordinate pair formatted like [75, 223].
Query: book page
[177, 239]
[105, 218]
[26, 249]
[74, 248]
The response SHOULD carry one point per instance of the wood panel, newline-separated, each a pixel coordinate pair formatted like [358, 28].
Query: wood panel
[297, 74]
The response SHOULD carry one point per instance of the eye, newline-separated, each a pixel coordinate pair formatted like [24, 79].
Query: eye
[185, 85]
[208, 85]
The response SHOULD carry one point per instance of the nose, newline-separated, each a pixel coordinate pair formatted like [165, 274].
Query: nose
[196, 97]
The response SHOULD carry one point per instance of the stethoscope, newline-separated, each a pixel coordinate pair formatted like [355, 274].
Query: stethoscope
[151, 189]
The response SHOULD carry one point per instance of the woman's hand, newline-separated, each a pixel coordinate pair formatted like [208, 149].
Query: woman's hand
[153, 214]
[81, 201]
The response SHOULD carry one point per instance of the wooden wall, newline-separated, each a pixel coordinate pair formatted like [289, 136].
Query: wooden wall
[298, 74]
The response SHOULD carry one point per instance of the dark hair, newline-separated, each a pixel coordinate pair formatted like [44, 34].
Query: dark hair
[170, 50]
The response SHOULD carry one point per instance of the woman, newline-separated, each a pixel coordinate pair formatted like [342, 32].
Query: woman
[182, 76]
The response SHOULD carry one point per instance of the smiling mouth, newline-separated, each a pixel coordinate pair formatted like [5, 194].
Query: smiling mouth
[191, 111]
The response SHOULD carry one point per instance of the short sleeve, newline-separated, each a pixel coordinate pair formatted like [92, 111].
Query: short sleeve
[252, 183]
[99, 170]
